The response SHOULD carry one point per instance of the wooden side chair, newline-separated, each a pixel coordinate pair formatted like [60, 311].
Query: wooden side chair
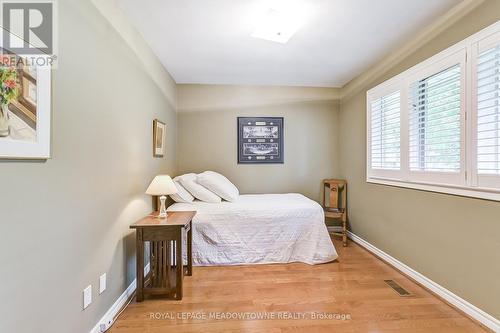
[335, 203]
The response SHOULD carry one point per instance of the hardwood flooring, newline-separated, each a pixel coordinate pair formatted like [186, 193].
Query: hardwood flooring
[354, 286]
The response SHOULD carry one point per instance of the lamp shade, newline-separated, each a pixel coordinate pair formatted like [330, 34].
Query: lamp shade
[161, 185]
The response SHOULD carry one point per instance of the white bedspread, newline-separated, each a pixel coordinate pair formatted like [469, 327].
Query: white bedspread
[259, 229]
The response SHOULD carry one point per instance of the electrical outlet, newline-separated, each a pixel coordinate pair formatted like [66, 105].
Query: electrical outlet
[102, 283]
[87, 296]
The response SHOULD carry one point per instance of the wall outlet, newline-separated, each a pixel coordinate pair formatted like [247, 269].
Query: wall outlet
[87, 296]
[102, 283]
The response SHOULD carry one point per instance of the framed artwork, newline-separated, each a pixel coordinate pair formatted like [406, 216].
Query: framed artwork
[159, 131]
[25, 108]
[260, 140]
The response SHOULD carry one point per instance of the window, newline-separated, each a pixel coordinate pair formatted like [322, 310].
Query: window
[436, 126]
[385, 132]
[435, 122]
[488, 112]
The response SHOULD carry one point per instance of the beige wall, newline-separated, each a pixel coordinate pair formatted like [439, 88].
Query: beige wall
[65, 221]
[207, 135]
[452, 240]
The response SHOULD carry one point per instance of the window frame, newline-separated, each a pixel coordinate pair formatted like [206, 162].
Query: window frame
[441, 64]
[384, 90]
[485, 181]
[467, 182]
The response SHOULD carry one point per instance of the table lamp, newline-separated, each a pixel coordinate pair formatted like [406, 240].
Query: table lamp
[162, 185]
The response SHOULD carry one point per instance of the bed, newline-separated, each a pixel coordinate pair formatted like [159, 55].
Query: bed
[259, 229]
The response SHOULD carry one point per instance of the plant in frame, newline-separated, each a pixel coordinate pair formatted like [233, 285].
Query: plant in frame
[9, 90]
[9, 85]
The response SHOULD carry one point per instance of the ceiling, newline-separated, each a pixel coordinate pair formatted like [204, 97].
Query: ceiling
[209, 41]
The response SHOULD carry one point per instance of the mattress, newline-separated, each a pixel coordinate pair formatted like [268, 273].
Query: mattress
[259, 229]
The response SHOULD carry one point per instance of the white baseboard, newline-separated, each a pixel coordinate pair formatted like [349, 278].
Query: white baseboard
[110, 315]
[461, 304]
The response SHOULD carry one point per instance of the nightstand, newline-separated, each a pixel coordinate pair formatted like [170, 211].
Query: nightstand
[165, 252]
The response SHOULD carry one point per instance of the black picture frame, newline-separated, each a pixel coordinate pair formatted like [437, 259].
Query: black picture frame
[260, 140]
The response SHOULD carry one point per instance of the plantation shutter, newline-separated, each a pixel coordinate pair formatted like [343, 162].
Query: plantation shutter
[435, 122]
[440, 131]
[385, 132]
[488, 112]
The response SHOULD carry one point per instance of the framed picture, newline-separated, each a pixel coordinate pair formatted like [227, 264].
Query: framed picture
[159, 131]
[25, 108]
[260, 140]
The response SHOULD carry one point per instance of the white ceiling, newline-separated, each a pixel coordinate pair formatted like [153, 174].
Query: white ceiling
[208, 41]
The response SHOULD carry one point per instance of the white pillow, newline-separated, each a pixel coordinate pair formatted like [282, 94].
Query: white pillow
[182, 194]
[196, 190]
[218, 184]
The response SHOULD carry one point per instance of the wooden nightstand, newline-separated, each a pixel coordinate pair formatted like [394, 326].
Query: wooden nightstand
[165, 253]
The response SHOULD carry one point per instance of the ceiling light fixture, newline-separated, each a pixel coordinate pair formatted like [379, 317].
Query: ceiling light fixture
[278, 25]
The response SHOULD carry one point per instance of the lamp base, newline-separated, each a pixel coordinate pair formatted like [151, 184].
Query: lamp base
[163, 209]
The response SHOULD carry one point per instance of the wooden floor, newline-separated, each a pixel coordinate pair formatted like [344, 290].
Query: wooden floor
[354, 286]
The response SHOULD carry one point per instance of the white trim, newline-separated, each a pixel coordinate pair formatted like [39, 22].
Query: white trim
[471, 192]
[110, 315]
[458, 302]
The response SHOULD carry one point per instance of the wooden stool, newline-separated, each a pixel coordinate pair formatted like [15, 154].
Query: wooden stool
[335, 206]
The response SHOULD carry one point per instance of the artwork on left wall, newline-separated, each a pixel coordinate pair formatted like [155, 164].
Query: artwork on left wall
[25, 108]
[159, 131]
[260, 140]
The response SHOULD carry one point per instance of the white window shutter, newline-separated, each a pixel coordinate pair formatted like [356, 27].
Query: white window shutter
[488, 112]
[435, 122]
[436, 126]
[385, 132]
